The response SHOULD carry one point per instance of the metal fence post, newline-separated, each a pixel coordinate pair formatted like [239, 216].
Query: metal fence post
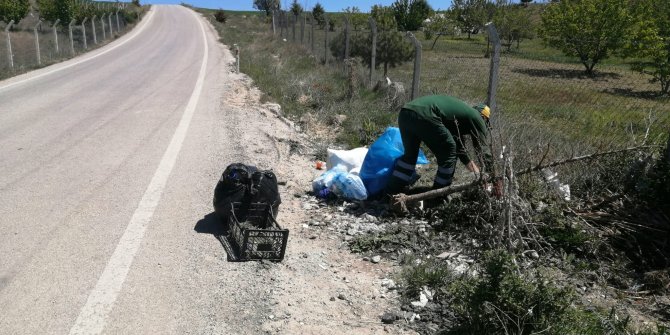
[416, 79]
[95, 37]
[373, 50]
[111, 30]
[118, 26]
[311, 23]
[56, 33]
[295, 19]
[325, 55]
[102, 24]
[9, 44]
[69, 27]
[495, 67]
[346, 37]
[302, 28]
[237, 58]
[281, 24]
[37, 43]
[83, 31]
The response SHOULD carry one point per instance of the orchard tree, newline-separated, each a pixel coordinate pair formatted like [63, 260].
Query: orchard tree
[472, 15]
[267, 5]
[357, 19]
[650, 41]
[513, 23]
[393, 49]
[296, 8]
[410, 14]
[319, 15]
[439, 25]
[13, 10]
[52, 10]
[588, 29]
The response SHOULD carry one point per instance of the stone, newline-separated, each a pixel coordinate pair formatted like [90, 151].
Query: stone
[332, 299]
[370, 218]
[376, 259]
[423, 300]
[388, 318]
[341, 296]
[446, 255]
[388, 283]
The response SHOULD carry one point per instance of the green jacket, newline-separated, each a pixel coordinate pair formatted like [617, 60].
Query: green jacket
[460, 119]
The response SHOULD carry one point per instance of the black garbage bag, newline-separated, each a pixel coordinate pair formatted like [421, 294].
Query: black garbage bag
[245, 184]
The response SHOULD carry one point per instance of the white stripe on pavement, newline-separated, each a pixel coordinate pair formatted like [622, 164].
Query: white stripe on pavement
[93, 315]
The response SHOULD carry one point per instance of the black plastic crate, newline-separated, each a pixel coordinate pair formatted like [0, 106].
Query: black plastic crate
[252, 242]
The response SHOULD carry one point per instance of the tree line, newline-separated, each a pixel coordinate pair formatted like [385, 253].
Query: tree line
[52, 10]
[588, 30]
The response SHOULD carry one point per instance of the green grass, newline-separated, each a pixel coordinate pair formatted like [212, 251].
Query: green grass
[539, 88]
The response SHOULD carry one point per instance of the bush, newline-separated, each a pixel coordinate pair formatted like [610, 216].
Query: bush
[502, 301]
[220, 16]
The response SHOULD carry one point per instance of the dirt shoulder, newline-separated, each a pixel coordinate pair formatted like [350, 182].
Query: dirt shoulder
[320, 287]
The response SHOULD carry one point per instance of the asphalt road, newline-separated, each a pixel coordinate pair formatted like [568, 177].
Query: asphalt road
[107, 166]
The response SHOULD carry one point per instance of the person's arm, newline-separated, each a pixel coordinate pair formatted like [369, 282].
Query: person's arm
[480, 143]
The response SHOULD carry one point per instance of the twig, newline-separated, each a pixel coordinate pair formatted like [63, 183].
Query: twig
[581, 158]
[399, 201]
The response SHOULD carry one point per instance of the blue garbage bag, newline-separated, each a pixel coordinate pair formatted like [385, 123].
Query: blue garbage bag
[380, 160]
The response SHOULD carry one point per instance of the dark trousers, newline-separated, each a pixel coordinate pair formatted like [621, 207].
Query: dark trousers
[415, 129]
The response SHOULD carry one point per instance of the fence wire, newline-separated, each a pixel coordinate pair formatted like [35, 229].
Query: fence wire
[53, 43]
[547, 98]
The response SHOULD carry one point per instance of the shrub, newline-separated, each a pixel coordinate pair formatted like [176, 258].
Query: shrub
[502, 301]
[220, 16]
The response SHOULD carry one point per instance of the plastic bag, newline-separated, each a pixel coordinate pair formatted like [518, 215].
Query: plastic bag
[325, 180]
[339, 182]
[349, 186]
[380, 160]
[349, 159]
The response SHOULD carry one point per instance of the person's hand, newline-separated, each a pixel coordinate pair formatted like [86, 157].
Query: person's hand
[498, 188]
[472, 167]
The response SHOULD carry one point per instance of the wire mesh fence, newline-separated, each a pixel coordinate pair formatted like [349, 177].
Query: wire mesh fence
[539, 90]
[33, 43]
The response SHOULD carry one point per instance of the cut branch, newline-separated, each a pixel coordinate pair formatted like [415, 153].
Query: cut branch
[400, 201]
[581, 158]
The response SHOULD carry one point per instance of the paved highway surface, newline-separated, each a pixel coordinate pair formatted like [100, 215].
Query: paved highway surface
[107, 164]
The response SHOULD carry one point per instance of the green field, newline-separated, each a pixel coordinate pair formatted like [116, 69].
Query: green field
[543, 97]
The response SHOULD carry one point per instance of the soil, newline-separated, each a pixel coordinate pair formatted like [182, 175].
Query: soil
[320, 287]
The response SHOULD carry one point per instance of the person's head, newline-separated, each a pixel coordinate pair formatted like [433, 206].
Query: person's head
[484, 111]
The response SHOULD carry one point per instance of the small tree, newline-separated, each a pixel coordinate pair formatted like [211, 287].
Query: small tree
[357, 19]
[52, 10]
[267, 5]
[439, 25]
[392, 47]
[296, 8]
[526, 2]
[13, 10]
[136, 3]
[471, 15]
[588, 29]
[410, 14]
[220, 16]
[318, 13]
[650, 42]
[513, 23]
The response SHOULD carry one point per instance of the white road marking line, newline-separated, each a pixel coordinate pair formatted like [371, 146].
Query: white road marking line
[85, 58]
[93, 315]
